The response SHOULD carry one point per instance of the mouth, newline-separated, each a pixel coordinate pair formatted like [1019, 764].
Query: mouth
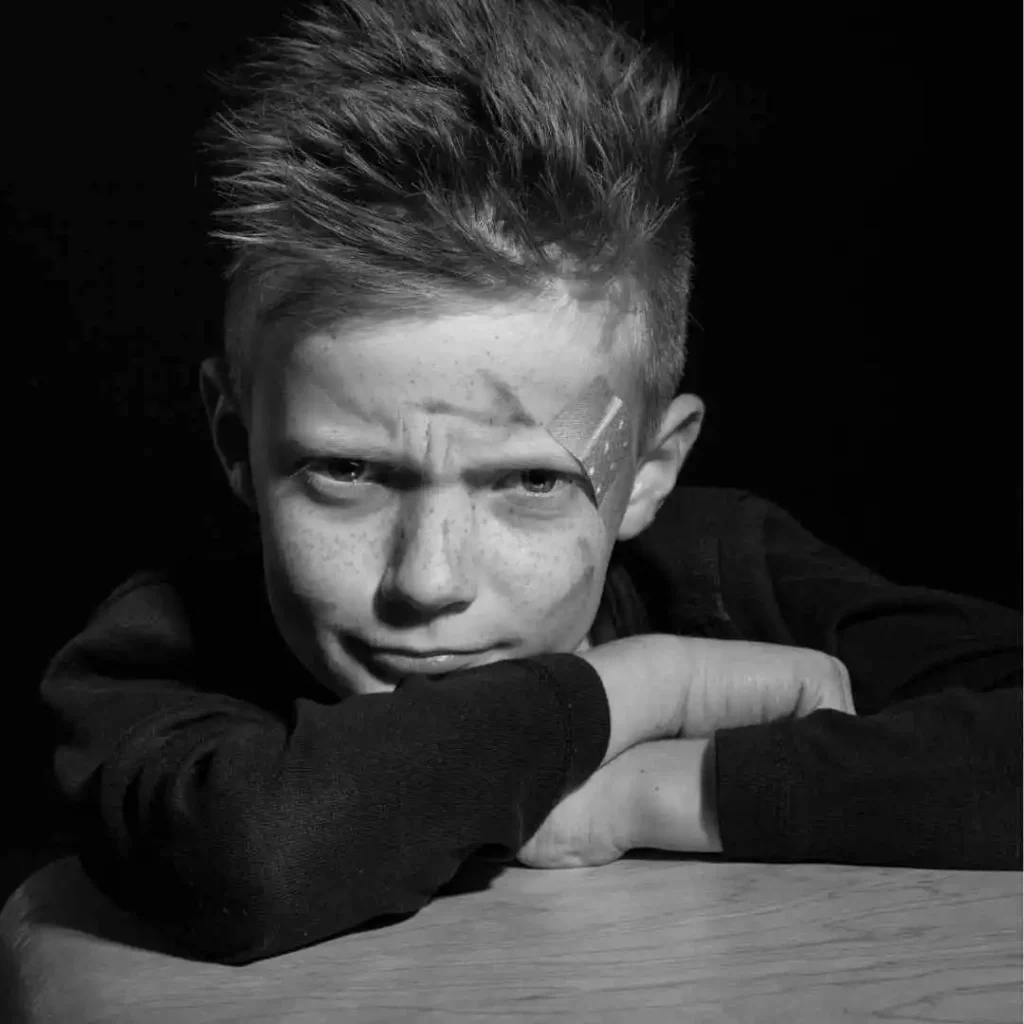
[390, 666]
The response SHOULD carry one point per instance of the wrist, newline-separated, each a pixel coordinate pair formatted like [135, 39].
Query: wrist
[640, 682]
[672, 793]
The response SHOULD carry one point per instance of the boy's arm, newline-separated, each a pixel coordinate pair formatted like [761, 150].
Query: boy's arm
[672, 791]
[656, 795]
[249, 827]
[222, 794]
[661, 793]
[928, 774]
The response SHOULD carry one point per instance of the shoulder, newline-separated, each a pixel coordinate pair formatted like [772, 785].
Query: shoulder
[702, 563]
[207, 619]
[176, 605]
[712, 512]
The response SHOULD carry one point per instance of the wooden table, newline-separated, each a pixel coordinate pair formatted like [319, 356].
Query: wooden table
[653, 938]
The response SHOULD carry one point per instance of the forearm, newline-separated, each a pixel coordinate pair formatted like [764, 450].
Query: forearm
[931, 782]
[672, 787]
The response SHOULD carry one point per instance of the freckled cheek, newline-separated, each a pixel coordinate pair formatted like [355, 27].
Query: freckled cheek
[321, 565]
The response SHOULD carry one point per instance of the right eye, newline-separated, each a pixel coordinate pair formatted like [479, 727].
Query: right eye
[334, 469]
[335, 474]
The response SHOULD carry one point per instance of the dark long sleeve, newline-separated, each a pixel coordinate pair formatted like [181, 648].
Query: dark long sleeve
[220, 792]
[220, 795]
[928, 774]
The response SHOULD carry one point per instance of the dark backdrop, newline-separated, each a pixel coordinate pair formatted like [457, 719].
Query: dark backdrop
[857, 340]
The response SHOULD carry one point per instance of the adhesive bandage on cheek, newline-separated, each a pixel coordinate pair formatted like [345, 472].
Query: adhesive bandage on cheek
[594, 429]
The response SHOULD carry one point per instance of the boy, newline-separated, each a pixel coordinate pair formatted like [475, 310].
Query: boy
[454, 330]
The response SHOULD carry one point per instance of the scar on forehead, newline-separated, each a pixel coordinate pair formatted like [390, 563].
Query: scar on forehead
[508, 402]
[508, 410]
[484, 418]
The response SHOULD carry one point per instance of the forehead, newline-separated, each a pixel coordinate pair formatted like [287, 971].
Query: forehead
[508, 368]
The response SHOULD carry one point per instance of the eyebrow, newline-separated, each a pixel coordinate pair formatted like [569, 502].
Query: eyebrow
[525, 454]
[507, 411]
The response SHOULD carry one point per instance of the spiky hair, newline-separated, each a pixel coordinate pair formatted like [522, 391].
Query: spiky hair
[390, 157]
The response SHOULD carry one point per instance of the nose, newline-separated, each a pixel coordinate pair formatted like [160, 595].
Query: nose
[433, 566]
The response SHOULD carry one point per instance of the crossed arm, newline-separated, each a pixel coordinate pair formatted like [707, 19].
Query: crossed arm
[656, 786]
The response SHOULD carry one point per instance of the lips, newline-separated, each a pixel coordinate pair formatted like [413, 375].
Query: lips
[436, 665]
[389, 665]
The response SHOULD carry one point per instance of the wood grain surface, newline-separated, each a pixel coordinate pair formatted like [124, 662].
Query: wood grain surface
[647, 939]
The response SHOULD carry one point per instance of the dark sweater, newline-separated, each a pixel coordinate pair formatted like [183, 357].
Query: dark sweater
[217, 789]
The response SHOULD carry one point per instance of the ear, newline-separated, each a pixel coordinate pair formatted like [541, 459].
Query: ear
[659, 470]
[227, 428]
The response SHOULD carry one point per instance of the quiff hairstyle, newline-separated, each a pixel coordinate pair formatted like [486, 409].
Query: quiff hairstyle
[391, 158]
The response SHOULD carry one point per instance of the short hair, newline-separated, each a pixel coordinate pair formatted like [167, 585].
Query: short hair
[388, 157]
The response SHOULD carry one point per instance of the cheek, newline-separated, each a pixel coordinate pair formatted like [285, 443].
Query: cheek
[565, 588]
[578, 597]
[320, 566]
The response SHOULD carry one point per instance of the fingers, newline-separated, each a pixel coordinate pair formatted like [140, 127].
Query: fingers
[828, 689]
[843, 691]
[738, 683]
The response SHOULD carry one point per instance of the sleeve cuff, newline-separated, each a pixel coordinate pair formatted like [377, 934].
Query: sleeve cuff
[585, 713]
[762, 814]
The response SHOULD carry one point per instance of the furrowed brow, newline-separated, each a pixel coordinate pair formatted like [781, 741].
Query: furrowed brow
[526, 454]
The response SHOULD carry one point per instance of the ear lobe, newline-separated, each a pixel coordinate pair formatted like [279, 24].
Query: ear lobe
[639, 514]
[227, 429]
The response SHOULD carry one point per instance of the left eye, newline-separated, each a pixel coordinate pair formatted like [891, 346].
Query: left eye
[332, 469]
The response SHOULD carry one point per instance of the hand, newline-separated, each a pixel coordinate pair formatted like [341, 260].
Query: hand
[593, 825]
[657, 795]
[661, 686]
[732, 683]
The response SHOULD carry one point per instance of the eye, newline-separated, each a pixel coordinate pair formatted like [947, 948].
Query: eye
[336, 476]
[536, 481]
[335, 470]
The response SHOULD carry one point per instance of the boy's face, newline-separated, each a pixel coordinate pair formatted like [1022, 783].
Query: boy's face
[409, 495]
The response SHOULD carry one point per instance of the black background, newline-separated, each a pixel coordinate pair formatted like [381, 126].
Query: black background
[857, 341]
